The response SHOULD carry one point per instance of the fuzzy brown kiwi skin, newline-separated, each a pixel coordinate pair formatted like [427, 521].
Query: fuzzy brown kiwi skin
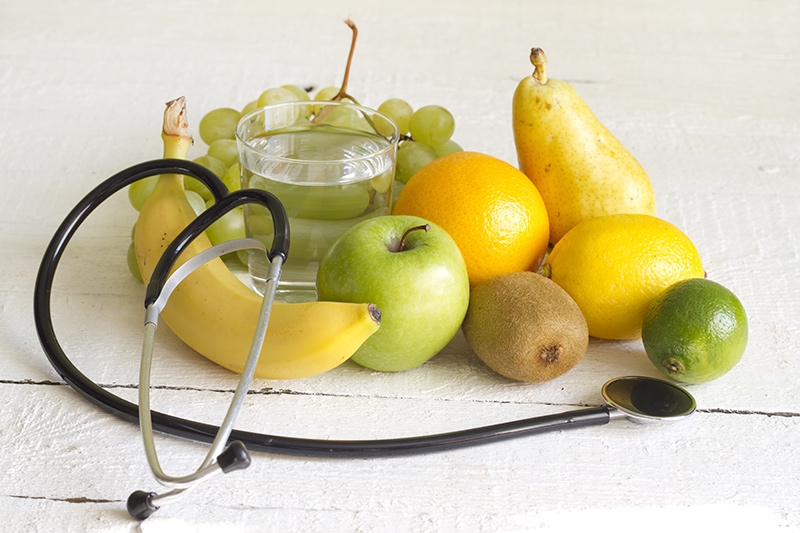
[525, 327]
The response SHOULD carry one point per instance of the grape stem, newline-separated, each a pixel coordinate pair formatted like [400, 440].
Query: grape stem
[343, 89]
[342, 94]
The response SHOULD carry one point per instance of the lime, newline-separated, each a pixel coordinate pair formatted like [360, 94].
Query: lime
[695, 330]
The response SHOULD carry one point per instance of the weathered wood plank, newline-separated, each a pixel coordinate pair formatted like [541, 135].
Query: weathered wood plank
[703, 94]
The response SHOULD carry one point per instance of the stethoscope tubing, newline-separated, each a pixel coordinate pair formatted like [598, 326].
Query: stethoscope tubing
[198, 431]
[52, 257]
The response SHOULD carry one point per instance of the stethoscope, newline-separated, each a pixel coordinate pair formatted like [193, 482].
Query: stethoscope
[634, 397]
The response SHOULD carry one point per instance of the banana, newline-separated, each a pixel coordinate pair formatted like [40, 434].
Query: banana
[215, 313]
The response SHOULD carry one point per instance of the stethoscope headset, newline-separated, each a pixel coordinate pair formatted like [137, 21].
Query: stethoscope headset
[639, 398]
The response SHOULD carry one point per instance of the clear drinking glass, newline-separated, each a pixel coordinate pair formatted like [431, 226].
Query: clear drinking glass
[331, 164]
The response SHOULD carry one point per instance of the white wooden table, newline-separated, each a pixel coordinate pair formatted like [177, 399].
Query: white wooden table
[703, 93]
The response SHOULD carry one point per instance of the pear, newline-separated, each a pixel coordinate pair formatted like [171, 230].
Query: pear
[581, 170]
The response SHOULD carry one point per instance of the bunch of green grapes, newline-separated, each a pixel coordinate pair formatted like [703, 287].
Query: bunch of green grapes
[425, 135]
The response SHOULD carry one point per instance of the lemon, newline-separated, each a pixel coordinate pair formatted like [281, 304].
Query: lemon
[695, 331]
[614, 265]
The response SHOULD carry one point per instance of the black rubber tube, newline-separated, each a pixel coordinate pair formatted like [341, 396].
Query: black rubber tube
[280, 242]
[198, 431]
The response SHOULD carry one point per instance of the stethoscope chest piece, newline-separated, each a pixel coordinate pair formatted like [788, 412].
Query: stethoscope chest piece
[648, 399]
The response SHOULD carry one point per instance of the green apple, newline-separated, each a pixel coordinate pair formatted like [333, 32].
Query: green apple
[412, 270]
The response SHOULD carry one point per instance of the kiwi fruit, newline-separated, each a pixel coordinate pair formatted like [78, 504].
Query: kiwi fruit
[525, 327]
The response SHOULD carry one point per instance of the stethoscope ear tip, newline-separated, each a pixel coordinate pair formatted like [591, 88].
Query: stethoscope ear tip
[234, 457]
[140, 505]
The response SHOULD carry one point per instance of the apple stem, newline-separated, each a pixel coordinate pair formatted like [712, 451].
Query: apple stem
[425, 227]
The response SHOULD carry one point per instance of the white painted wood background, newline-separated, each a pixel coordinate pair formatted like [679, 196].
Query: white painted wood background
[703, 93]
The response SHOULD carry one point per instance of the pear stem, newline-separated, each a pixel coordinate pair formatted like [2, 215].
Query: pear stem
[539, 61]
[425, 227]
[545, 270]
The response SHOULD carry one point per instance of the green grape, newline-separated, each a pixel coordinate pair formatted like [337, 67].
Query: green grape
[133, 265]
[310, 239]
[140, 191]
[324, 95]
[382, 183]
[432, 125]
[214, 165]
[232, 178]
[225, 150]
[450, 147]
[227, 228]
[412, 156]
[398, 110]
[252, 106]
[241, 256]
[383, 126]
[345, 117]
[299, 92]
[218, 124]
[352, 122]
[196, 201]
[332, 113]
[398, 188]
[276, 95]
[302, 96]
[315, 202]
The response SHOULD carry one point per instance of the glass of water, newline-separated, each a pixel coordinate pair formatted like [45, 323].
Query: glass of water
[331, 164]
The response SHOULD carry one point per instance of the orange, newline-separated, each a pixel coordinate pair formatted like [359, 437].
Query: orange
[491, 210]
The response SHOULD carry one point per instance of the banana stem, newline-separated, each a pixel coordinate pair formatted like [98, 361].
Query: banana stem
[539, 61]
[176, 121]
[175, 134]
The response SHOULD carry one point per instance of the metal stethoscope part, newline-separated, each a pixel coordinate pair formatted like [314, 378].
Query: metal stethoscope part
[638, 398]
[235, 456]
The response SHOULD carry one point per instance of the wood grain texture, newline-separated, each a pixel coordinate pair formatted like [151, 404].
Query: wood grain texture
[702, 93]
